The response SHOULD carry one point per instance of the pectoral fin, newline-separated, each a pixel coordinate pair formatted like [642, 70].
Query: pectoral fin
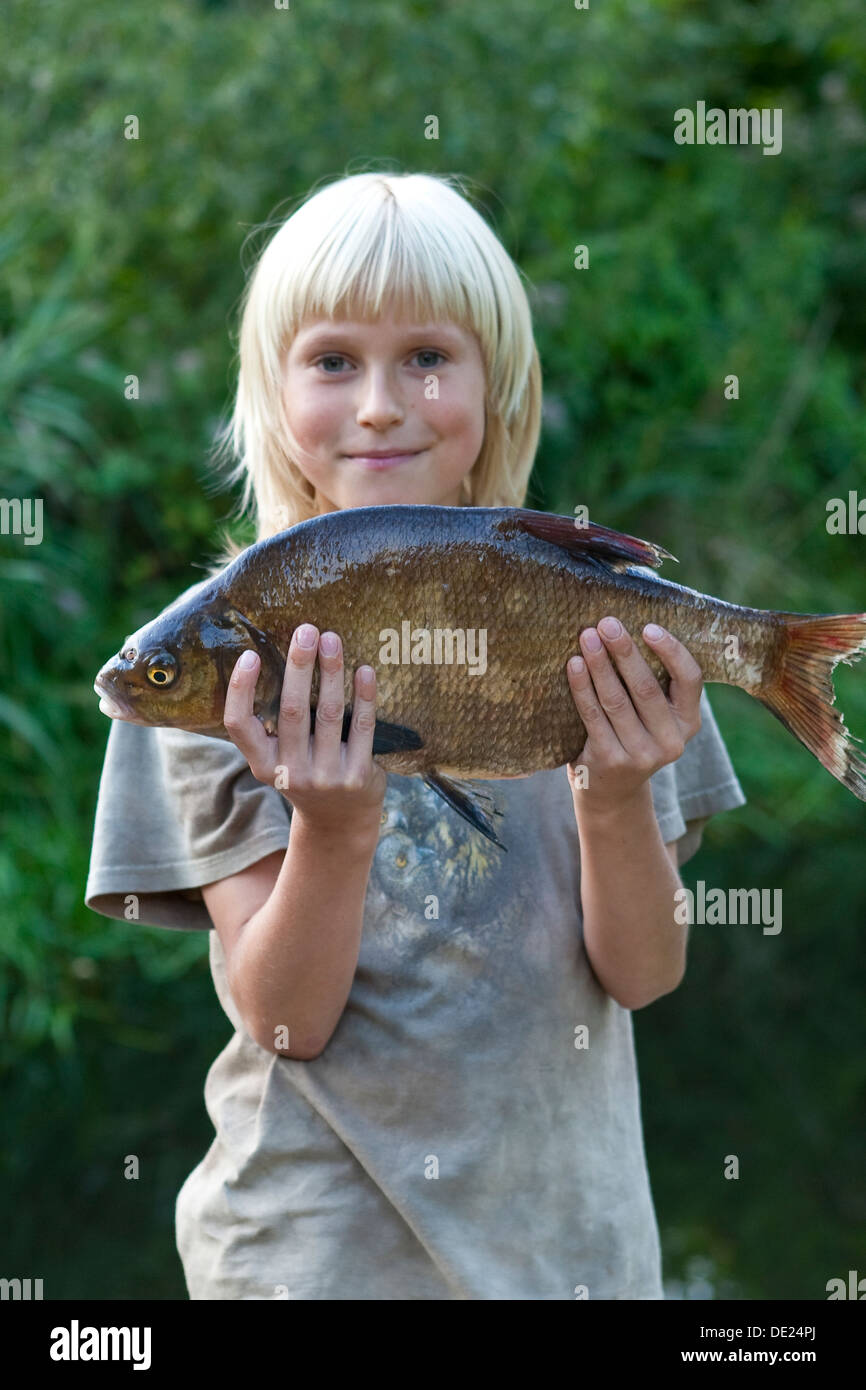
[387, 738]
[270, 682]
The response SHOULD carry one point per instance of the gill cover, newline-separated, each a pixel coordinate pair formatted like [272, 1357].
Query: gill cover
[387, 738]
[272, 668]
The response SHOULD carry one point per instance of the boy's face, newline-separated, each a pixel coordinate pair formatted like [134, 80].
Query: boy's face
[355, 389]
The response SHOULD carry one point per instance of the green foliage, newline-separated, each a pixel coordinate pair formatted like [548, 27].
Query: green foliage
[121, 257]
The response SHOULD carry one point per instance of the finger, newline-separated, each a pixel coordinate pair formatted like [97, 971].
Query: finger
[687, 680]
[360, 743]
[241, 724]
[612, 694]
[648, 699]
[330, 704]
[598, 730]
[293, 725]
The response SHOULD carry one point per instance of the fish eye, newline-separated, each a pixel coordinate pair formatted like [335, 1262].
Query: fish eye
[162, 669]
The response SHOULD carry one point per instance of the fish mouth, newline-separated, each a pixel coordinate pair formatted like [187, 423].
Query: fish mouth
[113, 704]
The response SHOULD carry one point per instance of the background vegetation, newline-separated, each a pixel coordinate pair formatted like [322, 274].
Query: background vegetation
[126, 256]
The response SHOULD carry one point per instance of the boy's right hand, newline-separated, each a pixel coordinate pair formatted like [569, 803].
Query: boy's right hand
[331, 785]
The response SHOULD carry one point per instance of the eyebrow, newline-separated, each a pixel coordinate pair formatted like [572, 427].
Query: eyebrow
[336, 330]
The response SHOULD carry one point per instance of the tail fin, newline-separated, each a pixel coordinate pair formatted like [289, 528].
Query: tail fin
[802, 695]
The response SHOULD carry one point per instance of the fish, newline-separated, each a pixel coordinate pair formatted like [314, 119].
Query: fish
[507, 590]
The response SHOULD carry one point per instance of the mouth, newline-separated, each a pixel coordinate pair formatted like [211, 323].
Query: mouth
[113, 704]
[378, 462]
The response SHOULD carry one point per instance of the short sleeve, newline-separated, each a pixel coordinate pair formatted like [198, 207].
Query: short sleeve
[175, 810]
[700, 783]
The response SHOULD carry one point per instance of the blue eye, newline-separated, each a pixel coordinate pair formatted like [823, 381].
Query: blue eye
[339, 358]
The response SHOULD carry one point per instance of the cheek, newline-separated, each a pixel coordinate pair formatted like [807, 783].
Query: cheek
[471, 420]
[311, 414]
[462, 412]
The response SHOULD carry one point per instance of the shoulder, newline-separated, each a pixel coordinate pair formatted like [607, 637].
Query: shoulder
[174, 811]
[149, 753]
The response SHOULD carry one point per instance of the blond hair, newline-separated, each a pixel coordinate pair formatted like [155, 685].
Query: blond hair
[357, 243]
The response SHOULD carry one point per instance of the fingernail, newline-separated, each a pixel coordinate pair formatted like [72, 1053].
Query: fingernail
[611, 627]
[247, 660]
[328, 643]
[576, 665]
[653, 632]
[306, 635]
[591, 640]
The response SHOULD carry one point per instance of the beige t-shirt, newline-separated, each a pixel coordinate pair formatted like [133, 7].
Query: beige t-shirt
[452, 1141]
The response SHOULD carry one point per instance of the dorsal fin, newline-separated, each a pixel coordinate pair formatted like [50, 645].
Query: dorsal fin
[588, 541]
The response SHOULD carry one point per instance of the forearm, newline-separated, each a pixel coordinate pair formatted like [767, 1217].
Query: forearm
[297, 955]
[634, 945]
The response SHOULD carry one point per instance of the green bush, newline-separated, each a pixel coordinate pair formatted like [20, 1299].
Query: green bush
[123, 257]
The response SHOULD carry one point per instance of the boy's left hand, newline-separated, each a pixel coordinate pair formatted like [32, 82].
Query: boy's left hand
[632, 727]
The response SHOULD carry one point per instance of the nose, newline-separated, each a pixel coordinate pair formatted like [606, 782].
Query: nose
[380, 402]
[116, 665]
[112, 678]
[109, 679]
